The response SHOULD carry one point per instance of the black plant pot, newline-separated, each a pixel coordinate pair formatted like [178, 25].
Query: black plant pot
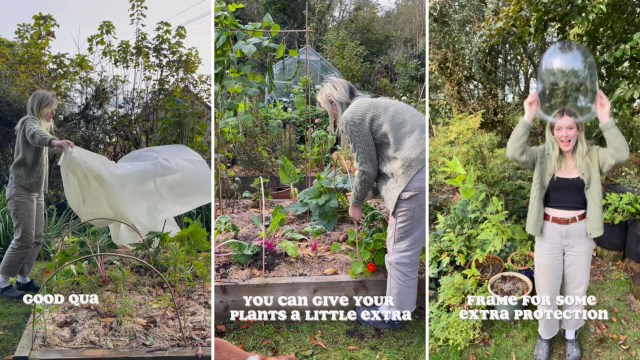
[632, 248]
[614, 237]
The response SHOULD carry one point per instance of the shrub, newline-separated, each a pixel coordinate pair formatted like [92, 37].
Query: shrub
[478, 149]
[447, 329]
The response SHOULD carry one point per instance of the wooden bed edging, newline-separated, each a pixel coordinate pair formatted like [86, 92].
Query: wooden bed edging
[121, 354]
[228, 297]
[24, 352]
[124, 354]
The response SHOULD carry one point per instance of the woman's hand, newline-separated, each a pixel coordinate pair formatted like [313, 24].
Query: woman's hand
[62, 144]
[355, 212]
[530, 107]
[603, 107]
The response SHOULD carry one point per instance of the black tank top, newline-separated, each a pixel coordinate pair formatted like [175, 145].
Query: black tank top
[565, 194]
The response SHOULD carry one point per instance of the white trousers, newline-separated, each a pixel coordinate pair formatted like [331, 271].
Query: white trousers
[406, 235]
[562, 257]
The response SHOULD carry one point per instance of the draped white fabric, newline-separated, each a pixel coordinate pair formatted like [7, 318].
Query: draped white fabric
[146, 188]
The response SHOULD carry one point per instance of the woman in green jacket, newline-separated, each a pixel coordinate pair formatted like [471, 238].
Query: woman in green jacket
[25, 192]
[565, 210]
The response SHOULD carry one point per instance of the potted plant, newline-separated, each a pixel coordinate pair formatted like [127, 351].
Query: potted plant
[487, 267]
[522, 260]
[631, 203]
[617, 210]
[510, 284]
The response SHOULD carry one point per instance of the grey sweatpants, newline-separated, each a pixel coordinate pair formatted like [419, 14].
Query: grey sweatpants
[562, 256]
[406, 235]
[27, 213]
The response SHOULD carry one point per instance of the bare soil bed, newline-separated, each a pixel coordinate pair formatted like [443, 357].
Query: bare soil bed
[277, 263]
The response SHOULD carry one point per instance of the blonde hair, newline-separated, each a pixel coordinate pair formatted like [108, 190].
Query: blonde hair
[40, 103]
[580, 150]
[339, 92]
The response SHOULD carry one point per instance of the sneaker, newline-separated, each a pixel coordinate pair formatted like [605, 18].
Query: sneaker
[573, 349]
[9, 292]
[542, 351]
[376, 320]
[29, 287]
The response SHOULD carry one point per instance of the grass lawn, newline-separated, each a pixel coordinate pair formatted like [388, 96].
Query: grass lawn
[14, 316]
[13, 319]
[613, 339]
[338, 337]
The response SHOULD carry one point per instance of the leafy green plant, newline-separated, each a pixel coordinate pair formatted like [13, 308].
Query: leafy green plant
[6, 223]
[278, 220]
[276, 231]
[620, 207]
[370, 244]
[82, 240]
[289, 247]
[464, 138]
[241, 252]
[323, 199]
[522, 257]
[224, 224]
[314, 232]
[446, 328]
[241, 51]
[317, 152]
[455, 287]
[289, 176]
[474, 227]
[186, 257]
[255, 196]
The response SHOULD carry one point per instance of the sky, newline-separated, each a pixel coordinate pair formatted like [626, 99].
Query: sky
[78, 19]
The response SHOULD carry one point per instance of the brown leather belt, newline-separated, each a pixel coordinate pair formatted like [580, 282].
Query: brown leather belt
[565, 221]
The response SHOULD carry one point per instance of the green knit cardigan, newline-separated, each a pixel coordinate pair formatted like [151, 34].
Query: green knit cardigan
[30, 155]
[387, 139]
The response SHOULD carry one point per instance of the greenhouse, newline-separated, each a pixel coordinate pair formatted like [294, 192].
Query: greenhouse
[287, 72]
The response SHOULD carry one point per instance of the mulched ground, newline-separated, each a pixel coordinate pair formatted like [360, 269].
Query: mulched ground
[137, 318]
[277, 263]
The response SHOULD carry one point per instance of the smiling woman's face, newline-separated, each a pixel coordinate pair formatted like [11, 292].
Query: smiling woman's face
[565, 132]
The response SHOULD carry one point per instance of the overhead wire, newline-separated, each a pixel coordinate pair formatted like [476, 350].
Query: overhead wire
[190, 7]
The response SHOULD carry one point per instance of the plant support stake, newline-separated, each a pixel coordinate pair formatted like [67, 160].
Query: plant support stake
[351, 186]
[264, 232]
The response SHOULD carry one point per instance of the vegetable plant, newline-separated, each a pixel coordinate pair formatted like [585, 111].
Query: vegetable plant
[370, 243]
[289, 176]
[323, 199]
[314, 231]
[277, 231]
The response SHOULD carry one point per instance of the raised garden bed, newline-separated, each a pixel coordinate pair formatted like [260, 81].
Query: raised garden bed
[25, 352]
[277, 263]
[134, 313]
[311, 274]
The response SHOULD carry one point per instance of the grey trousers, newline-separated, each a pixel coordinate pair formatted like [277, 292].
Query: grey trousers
[562, 256]
[406, 235]
[27, 213]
